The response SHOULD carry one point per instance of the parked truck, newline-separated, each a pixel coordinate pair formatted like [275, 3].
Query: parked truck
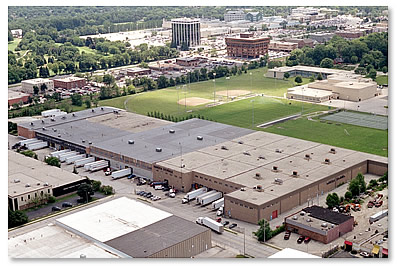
[65, 156]
[210, 198]
[210, 223]
[377, 216]
[121, 173]
[193, 194]
[28, 141]
[37, 145]
[88, 166]
[84, 161]
[99, 166]
[220, 210]
[218, 203]
[55, 153]
[200, 197]
[72, 159]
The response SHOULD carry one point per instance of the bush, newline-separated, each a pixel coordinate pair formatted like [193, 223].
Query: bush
[16, 218]
[332, 200]
[51, 199]
[107, 190]
[348, 195]
[29, 154]
[298, 80]
[96, 185]
[53, 161]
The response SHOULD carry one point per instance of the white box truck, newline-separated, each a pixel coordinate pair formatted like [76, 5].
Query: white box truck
[84, 161]
[210, 223]
[64, 157]
[210, 198]
[218, 203]
[36, 145]
[200, 197]
[72, 159]
[121, 173]
[193, 194]
[377, 216]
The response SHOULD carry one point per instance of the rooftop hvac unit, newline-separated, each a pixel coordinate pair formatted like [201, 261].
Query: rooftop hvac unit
[83, 141]
[90, 142]
[199, 137]
[294, 173]
[246, 153]
[307, 157]
[332, 151]
[131, 141]
[42, 121]
[302, 213]
[17, 180]
[102, 108]
[294, 217]
[73, 114]
[224, 148]
[54, 129]
[324, 225]
[258, 175]
[172, 131]
[158, 150]
[43, 128]
[59, 135]
[327, 161]
[46, 184]
[92, 110]
[274, 168]
[52, 119]
[261, 157]
[240, 142]
[332, 225]
[64, 117]
[242, 189]
[27, 185]
[31, 123]
[38, 183]
[278, 181]
[278, 150]
[309, 220]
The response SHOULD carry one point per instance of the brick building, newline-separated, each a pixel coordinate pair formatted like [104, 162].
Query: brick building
[188, 61]
[247, 46]
[69, 83]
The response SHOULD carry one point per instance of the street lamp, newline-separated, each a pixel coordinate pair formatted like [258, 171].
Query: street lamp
[251, 82]
[214, 85]
[184, 86]
[227, 97]
[252, 105]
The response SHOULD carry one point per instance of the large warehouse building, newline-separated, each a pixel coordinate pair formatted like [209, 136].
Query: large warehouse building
[261, 174]
[30, 179]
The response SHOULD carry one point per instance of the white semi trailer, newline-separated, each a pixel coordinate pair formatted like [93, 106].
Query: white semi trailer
[72, 159]
[99, 166]
[64, 157]
[210, 223]
[55, 153]
[84, 161]
[37, 145]
[65, 154]
[87, 166]
[199, 198]
[121, 173]
[210, 198]
[193, 194]
[218, 203]
[28, 141]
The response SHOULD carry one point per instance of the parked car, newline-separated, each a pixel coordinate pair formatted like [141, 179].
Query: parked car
[232, 226]
[365, 254]
[219, 219]
[142, 193]
[138, 192]
[131, 176]
[55, 208]
[108, 171]
[225, 223]
[66, 204]
[165, 189]
[287, 235]
[300, 239]
[149, 195]
[307, 239]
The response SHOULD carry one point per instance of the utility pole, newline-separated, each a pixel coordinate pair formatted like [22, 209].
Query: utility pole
[214, 85]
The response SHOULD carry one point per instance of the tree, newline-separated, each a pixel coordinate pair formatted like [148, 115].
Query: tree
[326, 63]
[43, 88]
[76, 99]
[85, 191]
[53, 161]
[108, 79]
[88, 103]
[357, 185]
[107, 190]
[298, 80]
[286, 75]
[348, 195]
[372, 74]
[35, 90]
[384, 69]
[10, 36]
[264, 230]
[319, 77]
[332, 200]
[96, 185]
[16, 218]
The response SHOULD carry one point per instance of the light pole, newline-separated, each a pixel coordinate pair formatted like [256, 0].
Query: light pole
[214, 85]
[227, 96]
[252, 107]
[177, 92]
[251, 82]
[185, 95]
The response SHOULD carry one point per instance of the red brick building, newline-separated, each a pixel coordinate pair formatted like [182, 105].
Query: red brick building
[17, 97]
[69, 83]
[188, 61]
[247, 46]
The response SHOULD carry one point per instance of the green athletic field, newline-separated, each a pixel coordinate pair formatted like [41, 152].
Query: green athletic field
[347, 136]
[12, 45]
[166, 100]
[381, 80]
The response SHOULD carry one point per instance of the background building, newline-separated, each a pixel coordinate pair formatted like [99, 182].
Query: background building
[234, 15]
[27, 85]
[247, 46]
[17, 97]
[69, 83]
[254, 16]
[185, 31]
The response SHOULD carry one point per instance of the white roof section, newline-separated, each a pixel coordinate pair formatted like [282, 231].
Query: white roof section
[289, 253]
[309, 92]
[113, 219]
[54, 242]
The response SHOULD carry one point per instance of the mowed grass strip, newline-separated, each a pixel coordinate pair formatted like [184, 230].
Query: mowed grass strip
[352, 137]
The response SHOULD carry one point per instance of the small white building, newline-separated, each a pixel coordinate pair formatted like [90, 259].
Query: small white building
[27, 85]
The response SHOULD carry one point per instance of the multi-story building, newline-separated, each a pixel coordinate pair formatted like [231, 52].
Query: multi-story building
[27, 85]
[254, 16]
[351, 34]
[70, 82]
[188, 61]
[300, 42]
[186, 31]
[282, 46]
[234, 15]
[247, 46]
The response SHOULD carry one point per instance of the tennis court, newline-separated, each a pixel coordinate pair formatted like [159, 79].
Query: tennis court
[359, 119]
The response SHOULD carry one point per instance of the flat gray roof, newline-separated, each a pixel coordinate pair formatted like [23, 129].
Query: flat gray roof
[184, 140]
[155, 237]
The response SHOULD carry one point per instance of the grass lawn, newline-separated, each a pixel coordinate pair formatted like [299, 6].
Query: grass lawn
[12, 45]
[240, 113]
[358, 138]
[382, 79]
[165, 100]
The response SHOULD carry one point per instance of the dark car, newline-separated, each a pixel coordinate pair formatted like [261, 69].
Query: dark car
[149, 195]
[300, 239]
[66, 204]
[219, 219]
[307, 239]
[165, 189]
[55, 209]
[131, 176]
[232, 226]
[141, 193]
[225, 223]
[287, 235]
